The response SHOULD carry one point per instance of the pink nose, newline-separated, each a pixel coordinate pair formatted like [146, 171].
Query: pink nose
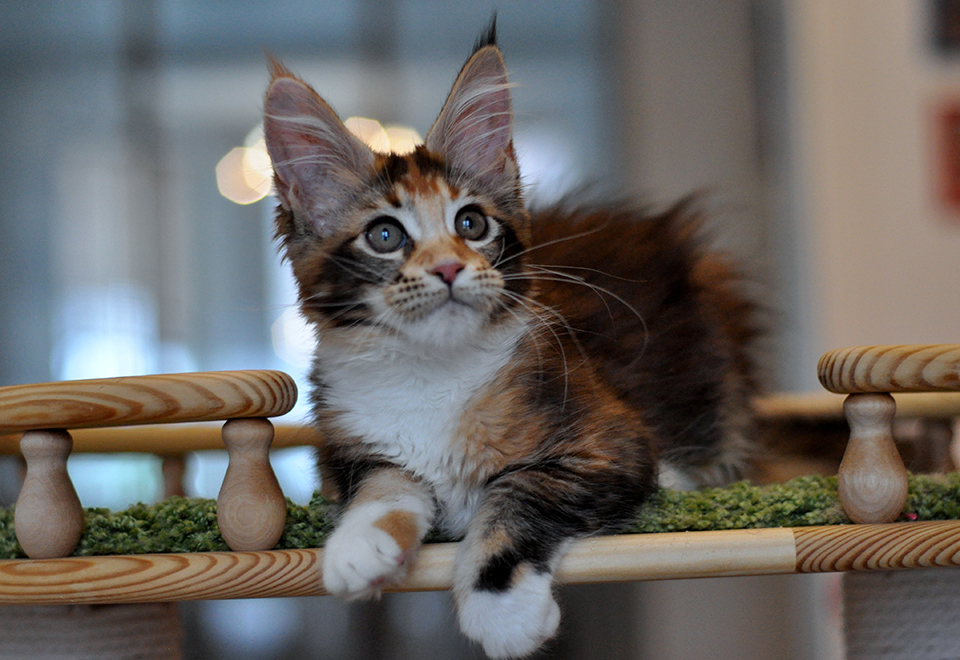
[447, 271]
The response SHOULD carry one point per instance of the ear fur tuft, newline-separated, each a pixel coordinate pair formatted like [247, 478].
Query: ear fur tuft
[489, 36]
[277, 68]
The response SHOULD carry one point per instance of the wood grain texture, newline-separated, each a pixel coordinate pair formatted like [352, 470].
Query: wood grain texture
[48, 518]
[161, 578]
[192, 397]
[902, 368]
[276, 573]
[872, 480]
[877, 547]
[251, 510]
[164, 438]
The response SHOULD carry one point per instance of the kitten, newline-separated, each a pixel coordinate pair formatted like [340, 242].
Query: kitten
[510, 377]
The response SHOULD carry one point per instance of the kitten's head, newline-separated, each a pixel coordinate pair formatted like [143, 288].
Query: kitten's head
[427, 245]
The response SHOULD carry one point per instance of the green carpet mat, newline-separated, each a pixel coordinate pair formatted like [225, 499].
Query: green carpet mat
[190, 525]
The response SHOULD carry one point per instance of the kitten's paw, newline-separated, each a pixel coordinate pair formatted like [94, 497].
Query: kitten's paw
[358, 559]
[511, 623]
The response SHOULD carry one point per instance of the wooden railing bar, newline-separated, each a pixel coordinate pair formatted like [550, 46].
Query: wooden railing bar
[168, 398]
[275, 573]
[165, 439]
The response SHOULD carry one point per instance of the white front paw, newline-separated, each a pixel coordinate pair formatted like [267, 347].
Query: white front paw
[359, 559]
[511, 623]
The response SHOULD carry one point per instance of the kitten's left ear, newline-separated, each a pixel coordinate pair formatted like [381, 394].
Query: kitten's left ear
[474, 131]
[317, 163]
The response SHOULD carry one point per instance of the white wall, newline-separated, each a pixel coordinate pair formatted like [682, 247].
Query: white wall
[882, 259]
[689, 121]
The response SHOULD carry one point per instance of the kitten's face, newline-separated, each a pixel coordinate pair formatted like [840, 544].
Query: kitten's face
[419, 256]
[426, 246]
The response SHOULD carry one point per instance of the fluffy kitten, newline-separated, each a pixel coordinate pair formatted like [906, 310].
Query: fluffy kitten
[508, 377]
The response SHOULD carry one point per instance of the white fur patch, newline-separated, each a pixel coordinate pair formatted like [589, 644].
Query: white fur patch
[406, 405]
[512, 623]
[673, 477]
[359, 558]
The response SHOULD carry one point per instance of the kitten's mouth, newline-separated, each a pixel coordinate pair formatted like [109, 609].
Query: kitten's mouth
[452, 302]
[436, 304]
[450, 311]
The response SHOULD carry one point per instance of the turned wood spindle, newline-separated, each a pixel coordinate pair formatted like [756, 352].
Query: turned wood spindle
[173, 468]
[872, 479]
[251, 510]
[48, 519]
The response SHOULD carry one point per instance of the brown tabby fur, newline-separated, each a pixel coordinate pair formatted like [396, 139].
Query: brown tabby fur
[527, 401]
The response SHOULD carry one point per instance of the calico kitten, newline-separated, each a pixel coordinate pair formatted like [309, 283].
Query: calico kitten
[510, 377]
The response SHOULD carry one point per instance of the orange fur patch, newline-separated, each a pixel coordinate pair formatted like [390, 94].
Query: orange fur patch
[402, 526]
[445, 248]
[418, 184]
[498, 428]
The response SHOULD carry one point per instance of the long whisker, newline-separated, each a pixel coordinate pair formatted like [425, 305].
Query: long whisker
[530, 305]
[356, 269]
[557, 276]
[590, 270]
[576, 279]
[553, 242]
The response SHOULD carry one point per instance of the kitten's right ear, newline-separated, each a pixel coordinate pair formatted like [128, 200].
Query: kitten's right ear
[474, 131]
[316, 160]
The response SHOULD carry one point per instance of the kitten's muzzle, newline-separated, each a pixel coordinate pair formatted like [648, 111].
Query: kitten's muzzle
[447, 271]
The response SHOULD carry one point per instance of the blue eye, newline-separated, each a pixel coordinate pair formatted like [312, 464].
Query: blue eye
[386, 235]
[470, 223]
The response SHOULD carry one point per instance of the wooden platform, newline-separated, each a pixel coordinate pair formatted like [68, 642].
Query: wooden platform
[226, 575]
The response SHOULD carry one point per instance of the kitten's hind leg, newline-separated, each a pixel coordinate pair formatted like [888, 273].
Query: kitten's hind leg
[378, 534]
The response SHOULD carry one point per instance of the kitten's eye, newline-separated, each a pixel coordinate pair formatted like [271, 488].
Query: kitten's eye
[471, 224]
[386, 235]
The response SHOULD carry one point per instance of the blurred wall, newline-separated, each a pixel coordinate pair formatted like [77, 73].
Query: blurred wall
[704, 100]
[879, 254]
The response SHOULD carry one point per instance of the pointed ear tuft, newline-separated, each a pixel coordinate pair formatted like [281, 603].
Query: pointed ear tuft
[474, 131]
[277, 68]
[316, 160]
[489, 36]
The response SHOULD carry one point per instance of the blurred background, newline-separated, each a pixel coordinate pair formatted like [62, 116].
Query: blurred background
[824, 136]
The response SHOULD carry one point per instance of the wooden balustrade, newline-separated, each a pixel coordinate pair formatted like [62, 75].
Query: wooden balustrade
[251, 507]
[872, 477]
[49, 518]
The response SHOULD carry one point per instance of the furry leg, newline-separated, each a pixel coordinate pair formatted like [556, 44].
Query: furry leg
[378, 534]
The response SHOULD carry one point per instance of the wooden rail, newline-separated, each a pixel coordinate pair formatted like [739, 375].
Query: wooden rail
[899, 368]
[164, 439]
[194, 397]
[826, 406]
[250, 508]
[275, 573]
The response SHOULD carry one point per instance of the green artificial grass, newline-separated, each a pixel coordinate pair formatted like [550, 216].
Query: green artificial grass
[190, 525]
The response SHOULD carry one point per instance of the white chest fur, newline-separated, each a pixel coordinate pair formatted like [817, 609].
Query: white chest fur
[406, 405]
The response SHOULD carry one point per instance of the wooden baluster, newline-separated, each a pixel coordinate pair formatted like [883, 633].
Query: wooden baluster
[872, 478]
[173, 468]
[48, 518]
[251, 510]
